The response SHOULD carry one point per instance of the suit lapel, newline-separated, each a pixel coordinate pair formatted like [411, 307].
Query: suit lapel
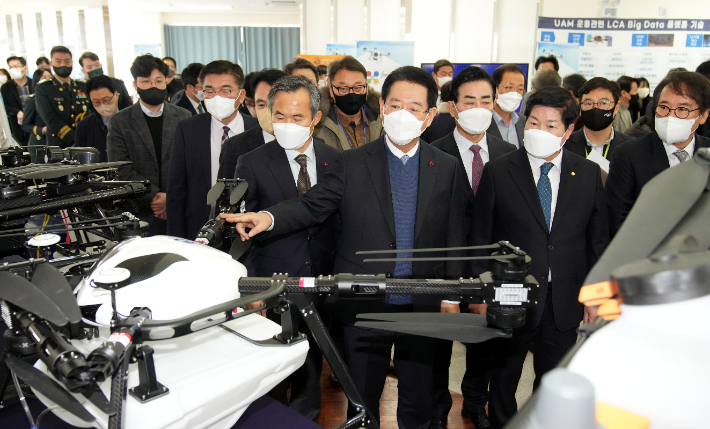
[657, 156]
[203, 128]
[452, 148]
[281, 170]
[428, 169]
[520, 129]
[521, 172]
[141, 128]
[376, 161]
[568, 184]
[493, 129]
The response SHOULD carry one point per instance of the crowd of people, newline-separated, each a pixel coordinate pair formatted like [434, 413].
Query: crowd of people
[335, 167]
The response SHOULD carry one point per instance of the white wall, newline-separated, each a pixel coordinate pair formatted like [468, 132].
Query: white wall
[627, 8]
[350, 17]
[385, 20]
[317, 20]
[473, 31]
[516, 31]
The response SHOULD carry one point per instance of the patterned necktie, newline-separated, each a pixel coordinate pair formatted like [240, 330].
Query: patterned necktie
[200, 109]
[225, 136]
[476, 167]
[404, 159]
[544, 191]
[681, 155]
[304, 181]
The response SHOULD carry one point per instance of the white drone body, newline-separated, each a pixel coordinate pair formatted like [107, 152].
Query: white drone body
[213, 374]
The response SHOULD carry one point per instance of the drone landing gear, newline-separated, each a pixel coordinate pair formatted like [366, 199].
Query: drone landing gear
[149, 388]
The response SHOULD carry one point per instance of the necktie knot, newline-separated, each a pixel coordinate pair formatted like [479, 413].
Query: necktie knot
[546, 167]
[681, 155]
[404, 159]
[302, 160]
[225, 136]
[476, 148]
[303, 181]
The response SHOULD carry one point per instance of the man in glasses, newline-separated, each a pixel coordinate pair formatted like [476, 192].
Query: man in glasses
[93, 129]
[350, 108]
[681, 103]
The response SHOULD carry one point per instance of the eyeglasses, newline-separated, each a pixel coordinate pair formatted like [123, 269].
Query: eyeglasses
[105, 100]
[344, 90]
[512, 89]
[681, 112]
[603, 105]
[224, 92]
[413, 109]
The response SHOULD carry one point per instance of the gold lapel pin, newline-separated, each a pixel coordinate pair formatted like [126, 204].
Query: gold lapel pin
[573, 173]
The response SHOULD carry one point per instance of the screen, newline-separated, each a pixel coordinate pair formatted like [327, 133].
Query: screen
[488, 67]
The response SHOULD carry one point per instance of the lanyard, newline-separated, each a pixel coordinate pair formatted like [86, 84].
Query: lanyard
[364, 129]
[606, 151]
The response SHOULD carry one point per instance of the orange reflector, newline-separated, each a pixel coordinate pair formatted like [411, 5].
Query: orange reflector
[615, 418]
[609, 310]
[596, 293]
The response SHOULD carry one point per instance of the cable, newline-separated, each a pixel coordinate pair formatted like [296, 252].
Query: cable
[36, 426]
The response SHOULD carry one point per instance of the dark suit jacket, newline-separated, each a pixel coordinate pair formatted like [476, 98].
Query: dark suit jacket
[91, 132]
[577, 143]
[634, 164]
[13, 106]
[32, 123]
[236, 146]
[124, 100]
[184, 102]
[508, 208]
[191, 175]
[358, 186]
[519, 128]
[440, 127]
[308, 252]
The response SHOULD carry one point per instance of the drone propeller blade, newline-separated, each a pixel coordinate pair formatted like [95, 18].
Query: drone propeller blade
[20, 292]
[238, 193]
[434, 249]
[54, 285]
[214, 193]
[97, 397]
[467, 319]
[463, 333]
[440, 259]
[47, 387]
[238, 248]
[60, 170]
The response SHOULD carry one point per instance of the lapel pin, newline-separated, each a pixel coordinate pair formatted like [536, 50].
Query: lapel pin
[573, 173]
[431, 163]
[325, 164]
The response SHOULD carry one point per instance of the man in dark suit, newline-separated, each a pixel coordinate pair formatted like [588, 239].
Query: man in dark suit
[550, 203]
[443, 122]
[91, 67]
[277, 172]
[391, 193]
[236, 146]
[191, 98]
[198, 143]
[14, 94]
[143, 134]
[510, 88]
[93, 129]
[471, 104]
[681, 102]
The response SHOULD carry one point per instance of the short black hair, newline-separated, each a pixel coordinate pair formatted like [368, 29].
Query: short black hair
[442, 63]
[191, 74]
[640, 80]
[704, 69]
[301, 64]
[688, 84]
[249, 85]
[59, 49]
[470, 74]
[268, 76]
[144, 65]
[322, 70]
[16, 58]
[41, 60]
[625, 83]
[601, 83]
[223, 67]
[555, 97]
[99, 82]
[90, 55]
[574, 82]
[414, 75]
[446, 92]
[171, 59]
[346, 63]
[37, 75]
[505, 68]
[550, 59]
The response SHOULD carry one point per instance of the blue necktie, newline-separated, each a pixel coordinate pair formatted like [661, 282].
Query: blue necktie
[544, 191]
[404, 159]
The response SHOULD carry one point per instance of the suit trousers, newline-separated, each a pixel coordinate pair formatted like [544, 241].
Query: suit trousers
[549, 345]
[368, 354]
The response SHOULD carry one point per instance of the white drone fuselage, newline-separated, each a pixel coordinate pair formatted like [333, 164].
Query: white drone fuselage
[213, 374]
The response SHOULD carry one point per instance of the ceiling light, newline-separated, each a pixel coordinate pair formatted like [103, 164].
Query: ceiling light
[205, 6]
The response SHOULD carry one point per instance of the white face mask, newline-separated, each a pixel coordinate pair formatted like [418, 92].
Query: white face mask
[674, 130]
[107, 110]
[322, 84]
[200, 95]
[509, 101]
[17, 74]
[291, 136]
[402, 127]
[644, 92]
[541, 144]
[3, 79]
[442, 80]
[475, 121]
[221, 107]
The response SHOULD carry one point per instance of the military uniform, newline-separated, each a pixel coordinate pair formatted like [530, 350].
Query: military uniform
[61, 106]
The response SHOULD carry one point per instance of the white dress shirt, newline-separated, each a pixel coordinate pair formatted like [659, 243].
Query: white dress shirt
[601, 148]
[467, 154]
[196, 105]
[150, 113]
[268, 137]
[672, 159]
[310, 153]
[554, 176]
[397, 152]
[235, 127]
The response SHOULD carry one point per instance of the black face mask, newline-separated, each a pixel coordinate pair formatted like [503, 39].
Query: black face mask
[634, 99]
[96, 72]
[152, 96]
[597, 119]
[351, 103]
[63, 72]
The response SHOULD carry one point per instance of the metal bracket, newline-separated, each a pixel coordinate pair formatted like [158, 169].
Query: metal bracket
[148, 388]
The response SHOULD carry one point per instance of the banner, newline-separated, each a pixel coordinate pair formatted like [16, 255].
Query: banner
[381, 58]
[336, 49]
[319, 60]
[567, 56]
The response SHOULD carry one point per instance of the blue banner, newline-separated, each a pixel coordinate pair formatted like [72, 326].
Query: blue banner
[576, 38]
[694, 41]
[547, 36]
[623, 24]
[639, 40]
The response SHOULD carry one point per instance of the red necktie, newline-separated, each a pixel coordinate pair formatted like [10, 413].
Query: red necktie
[476, 167]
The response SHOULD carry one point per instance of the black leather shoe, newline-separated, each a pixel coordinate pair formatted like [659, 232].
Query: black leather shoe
[437, 424]
[334, 380]
[480, 420]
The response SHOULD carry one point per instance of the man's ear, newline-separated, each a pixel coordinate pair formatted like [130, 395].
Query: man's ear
[382, 108]
[240, 99]
[452, 109]
[317, 119]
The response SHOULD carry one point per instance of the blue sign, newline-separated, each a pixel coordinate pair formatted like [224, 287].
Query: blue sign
[576, 38]
[639, 40]
[624, 24]
[694, 41]
[547, 36]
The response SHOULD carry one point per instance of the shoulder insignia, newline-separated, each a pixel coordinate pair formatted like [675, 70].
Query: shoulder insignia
[44, 81]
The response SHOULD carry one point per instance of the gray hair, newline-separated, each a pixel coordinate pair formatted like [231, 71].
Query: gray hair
[292, 84]
[546, 77]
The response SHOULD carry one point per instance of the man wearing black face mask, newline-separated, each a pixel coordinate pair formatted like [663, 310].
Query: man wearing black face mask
[91, 67]
[597, 140]
[349, 106]
[61, 102]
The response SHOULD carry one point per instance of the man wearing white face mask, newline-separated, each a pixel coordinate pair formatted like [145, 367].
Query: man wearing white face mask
[392, 193]
[277, 171]
[443, 72]
[510, 87]
[681, 103]
[194, 157]
[191, 99]
[93, 129]
[550, 203]
[14, 94]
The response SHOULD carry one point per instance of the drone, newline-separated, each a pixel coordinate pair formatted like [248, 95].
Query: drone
[375, 54]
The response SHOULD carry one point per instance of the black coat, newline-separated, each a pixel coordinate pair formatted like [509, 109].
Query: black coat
[508, 207]
[124, 99]
[304, 253]
[191, 175]
[184, 102]
[635, 163]
[61, 110]
[32, 123]
[358, 186]
[236, 146]
[440, 127]
[91, 132]
[577, 143]
[13, 106]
